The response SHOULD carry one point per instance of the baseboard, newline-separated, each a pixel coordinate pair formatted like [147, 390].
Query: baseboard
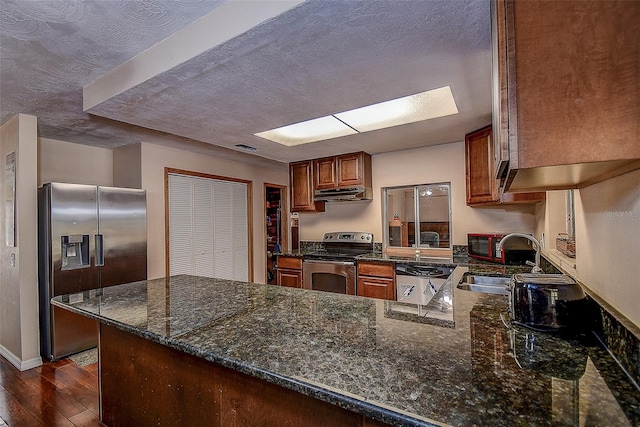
[22, 365]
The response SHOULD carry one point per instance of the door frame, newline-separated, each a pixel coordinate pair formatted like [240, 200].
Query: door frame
[168, 171]
[284, 222]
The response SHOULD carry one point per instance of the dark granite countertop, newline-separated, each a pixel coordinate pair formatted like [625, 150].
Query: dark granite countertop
[380, 358]
[295, 254]
[463, 261]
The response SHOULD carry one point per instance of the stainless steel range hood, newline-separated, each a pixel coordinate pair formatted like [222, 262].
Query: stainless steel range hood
[343, 194]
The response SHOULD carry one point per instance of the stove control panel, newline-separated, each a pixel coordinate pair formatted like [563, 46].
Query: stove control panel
[351, 237]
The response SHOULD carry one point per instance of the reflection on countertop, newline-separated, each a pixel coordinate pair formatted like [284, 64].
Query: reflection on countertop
[350, 351]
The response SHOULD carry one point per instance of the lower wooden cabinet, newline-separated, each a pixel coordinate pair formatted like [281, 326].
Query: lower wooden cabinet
[191, 391]
[376, 280]
[289, 272]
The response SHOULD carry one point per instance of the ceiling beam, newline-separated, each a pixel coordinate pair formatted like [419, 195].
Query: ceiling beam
[218, 26]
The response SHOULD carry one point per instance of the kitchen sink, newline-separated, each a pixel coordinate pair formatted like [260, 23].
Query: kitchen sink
[485, 284]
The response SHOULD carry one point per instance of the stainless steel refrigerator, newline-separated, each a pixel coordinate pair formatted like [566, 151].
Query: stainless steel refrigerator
[89, 237]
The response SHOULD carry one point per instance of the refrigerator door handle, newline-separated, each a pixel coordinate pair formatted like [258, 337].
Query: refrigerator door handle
[99, 250]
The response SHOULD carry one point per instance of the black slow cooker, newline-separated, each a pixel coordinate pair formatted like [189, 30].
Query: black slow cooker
[547, 302]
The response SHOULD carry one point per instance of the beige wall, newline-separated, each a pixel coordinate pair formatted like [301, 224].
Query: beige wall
[142, 166]
[19, 336]
[155, 158]
[551, 218]
[607, 217]
[60, 161]
[127, 166]
[441, 163]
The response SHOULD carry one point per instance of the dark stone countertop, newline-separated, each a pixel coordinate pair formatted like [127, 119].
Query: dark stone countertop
[463, 261]
[380, 358]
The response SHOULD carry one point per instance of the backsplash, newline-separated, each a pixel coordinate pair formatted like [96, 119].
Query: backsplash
[310, 245]
[616, 333]
[460, 250]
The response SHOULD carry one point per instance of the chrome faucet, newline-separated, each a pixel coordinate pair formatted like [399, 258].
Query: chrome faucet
[536, 267]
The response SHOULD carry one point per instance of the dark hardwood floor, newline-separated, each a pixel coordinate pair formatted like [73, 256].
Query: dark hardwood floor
[58, 393]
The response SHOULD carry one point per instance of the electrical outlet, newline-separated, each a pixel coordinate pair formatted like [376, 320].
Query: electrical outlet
[12, 260]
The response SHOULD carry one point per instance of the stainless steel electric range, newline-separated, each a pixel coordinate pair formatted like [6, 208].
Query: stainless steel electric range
[333, 269]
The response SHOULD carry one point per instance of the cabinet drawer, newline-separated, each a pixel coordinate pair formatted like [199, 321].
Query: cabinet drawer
[374, 287]
[377, 269]
[290, 262]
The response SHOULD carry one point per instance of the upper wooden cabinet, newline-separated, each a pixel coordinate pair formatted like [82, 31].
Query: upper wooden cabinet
[566, 92]
[354, 169]
[328, 173]
[301, 187]
[346, 170]
[482, 186]
[325, 173]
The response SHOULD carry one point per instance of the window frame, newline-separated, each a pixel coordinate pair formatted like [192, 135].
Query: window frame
[418, 249]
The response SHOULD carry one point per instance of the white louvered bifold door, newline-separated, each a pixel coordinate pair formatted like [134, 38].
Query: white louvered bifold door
[202, 228]
[223, 243]
[240, 233]
[208, 227]
[180, 226]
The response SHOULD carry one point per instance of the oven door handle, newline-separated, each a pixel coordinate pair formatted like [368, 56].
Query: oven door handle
[329, 262]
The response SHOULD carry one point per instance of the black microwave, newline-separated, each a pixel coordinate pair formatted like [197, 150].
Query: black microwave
[484, 246]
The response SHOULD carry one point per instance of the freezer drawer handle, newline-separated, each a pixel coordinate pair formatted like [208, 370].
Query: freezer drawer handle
[99, 250]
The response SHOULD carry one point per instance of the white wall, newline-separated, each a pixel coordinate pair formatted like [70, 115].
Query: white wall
[19, 330]
[440, 163]
[155, 158]
[607, 217]
[60, 161]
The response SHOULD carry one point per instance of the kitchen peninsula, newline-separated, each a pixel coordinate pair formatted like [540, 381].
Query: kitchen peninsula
[198, 351]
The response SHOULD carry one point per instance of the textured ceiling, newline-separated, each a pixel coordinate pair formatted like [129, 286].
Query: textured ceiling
[317, 58]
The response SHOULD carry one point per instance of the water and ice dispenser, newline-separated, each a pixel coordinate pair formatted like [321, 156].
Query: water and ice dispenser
[75, 251]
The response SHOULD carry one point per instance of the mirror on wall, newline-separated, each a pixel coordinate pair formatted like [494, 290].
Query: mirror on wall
[418, 216]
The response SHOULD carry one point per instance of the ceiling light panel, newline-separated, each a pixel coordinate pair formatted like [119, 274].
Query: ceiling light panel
[308, 131]
[409, 109]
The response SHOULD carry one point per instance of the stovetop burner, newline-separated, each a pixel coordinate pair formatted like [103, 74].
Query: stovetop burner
[422, 270]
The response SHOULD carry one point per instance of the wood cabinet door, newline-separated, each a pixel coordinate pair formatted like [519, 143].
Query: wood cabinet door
[290, 263]
[376, 287]
[481, 184]
[565, 92]
[376, 269]
[325, 173]
[500, 101]
[350, 169]
[482, 187]
[301, 187]
[290, 278]
[248, 401]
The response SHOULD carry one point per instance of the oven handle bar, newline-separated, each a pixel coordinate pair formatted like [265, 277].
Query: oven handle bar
[329, 262]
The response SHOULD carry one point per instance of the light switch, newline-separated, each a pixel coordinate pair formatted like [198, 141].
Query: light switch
[12, 260]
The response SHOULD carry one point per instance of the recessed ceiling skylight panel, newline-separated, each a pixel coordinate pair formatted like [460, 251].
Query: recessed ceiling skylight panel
[409, 109]
[313, 130]
[400, 111]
